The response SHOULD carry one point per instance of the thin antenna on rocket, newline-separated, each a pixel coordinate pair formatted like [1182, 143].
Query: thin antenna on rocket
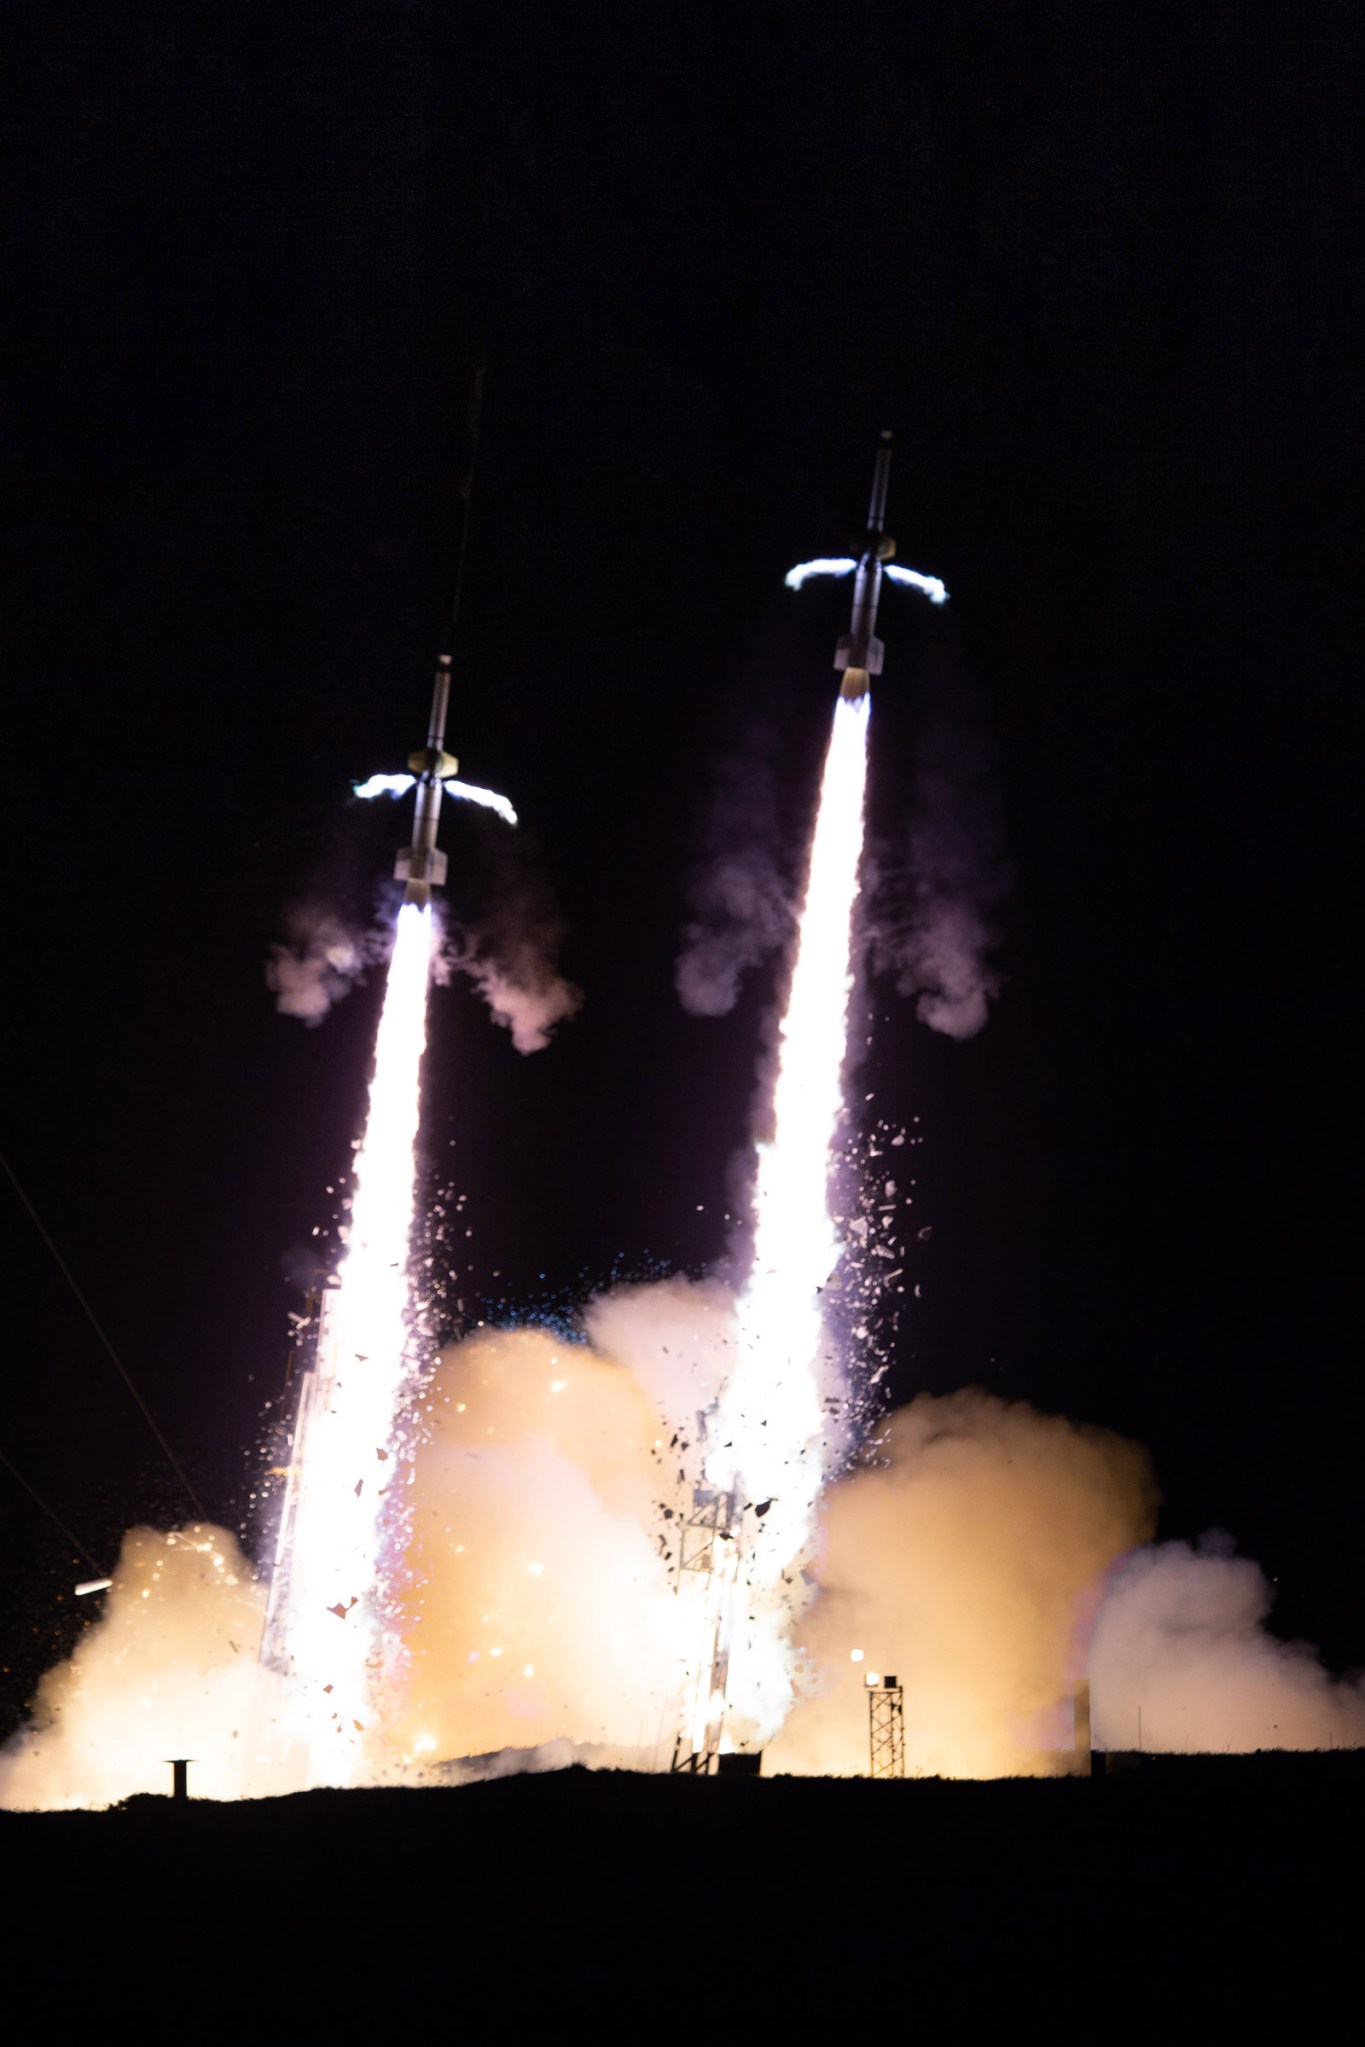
[467, 493]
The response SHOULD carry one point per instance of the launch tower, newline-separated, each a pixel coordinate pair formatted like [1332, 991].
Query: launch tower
[708, 1566]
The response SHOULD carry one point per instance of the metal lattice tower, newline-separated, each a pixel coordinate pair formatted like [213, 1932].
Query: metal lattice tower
[310, 1361]
[886, 1727]
[708, 1564]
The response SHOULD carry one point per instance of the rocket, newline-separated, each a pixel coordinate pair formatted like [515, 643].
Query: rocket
[859, 652]
[858, 656]
[422, 865]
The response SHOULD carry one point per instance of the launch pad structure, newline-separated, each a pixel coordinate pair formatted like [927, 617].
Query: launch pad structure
[886, 1727]
[708, 1566]
[309, 1372]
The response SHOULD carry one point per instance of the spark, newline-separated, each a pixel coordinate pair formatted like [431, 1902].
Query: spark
[467, 792]
[768, 1438]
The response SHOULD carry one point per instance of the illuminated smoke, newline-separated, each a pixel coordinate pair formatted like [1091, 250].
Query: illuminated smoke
[968, 1552]
[768, 1440]
[935, 902]
[963, 1556]
[321, 960]
[940, 955]
[740, 904]
[511, 954]
[466, 792]
[524, 991]
[508, 950]
[1182, 1660]
[541, 1603]
[348, 1451]
[169, 1669]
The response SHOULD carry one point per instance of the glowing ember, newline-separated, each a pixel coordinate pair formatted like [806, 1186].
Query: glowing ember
[768, 1433]
[326, 1622]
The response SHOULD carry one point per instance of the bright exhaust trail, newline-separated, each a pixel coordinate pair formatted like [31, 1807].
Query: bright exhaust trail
[768, 1445]
[326, 1622]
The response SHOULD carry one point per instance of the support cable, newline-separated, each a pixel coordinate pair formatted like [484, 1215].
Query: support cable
[51, 1514]
[467, 492]
[117, 1361]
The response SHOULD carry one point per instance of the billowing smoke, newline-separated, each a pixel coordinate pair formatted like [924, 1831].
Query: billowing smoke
[932, 925]
[524, 991]
[512, 956]
[944, 964]
[967, 1553]
[320, 961]
[1181, 1660]
[961, 1560]
[169, 1670]
[741, 909]
[541, 1600]
[537, 1591]
[937, 897]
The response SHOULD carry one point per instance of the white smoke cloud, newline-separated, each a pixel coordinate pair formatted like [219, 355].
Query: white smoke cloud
[536, 1595]
[321, 960]
[933, 925]
[543, 1606]
[510, 953]
[946, 967]
[504, 933]
[931, 921]
[973, 1552]
[512, 964]
[676, 1337]
[170, 1669]
[1181, 1639]
[743, 916]
[741, 909]
[962, 1559]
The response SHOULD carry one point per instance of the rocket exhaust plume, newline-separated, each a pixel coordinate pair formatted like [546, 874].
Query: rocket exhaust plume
[770, 1449]
[768, 1440]
[326, 1620]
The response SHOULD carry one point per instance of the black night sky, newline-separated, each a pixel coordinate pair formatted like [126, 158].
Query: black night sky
[1099, 269]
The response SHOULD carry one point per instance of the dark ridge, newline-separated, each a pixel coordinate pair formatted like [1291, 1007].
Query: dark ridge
[624, 1902]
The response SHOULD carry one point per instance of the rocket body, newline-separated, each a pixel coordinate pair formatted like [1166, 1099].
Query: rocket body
[859, 652]
[422, 865]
